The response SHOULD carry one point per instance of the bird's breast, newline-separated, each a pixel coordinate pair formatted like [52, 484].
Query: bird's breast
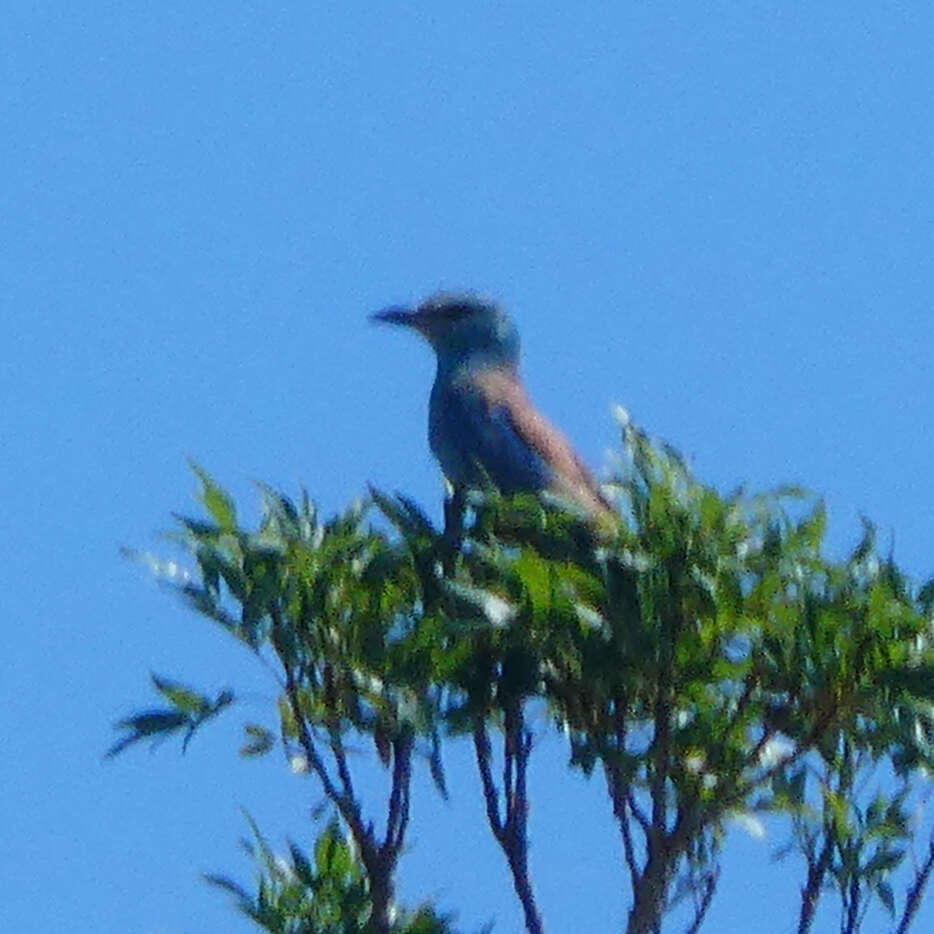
[446, 430]
[472, 433]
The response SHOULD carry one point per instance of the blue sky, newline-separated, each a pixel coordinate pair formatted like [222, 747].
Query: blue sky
[719, 215]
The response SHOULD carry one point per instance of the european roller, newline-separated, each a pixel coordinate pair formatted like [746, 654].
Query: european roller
[480, 419]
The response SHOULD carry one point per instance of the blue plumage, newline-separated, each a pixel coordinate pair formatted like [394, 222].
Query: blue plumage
[480, 420]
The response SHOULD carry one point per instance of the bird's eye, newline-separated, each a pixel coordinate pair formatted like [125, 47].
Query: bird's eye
[467, 309]
[459, 311]
[454, 308]
[452, 311]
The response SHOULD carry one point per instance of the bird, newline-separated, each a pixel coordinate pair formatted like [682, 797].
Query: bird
[482, 426]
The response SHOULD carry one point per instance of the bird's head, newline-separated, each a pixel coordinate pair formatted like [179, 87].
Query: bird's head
[460, 328]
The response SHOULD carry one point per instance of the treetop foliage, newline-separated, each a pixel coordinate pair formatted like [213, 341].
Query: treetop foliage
[704, 658]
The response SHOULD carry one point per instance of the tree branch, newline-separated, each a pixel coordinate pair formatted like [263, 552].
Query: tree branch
[398, 816]
[629, 852]
[481, 742]
[509, 756]
[810, 894]
[347, 806]
[621, 803]
[637, 812]
[701, 908]
[511, 833]
[335, 740]
[913, 900]
[379, 868]
[662, 848]
[852, 906]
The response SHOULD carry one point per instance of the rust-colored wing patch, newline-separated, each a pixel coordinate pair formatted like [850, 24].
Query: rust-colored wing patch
[504, 394]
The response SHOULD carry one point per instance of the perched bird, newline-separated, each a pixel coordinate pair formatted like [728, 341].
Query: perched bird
[480, 420]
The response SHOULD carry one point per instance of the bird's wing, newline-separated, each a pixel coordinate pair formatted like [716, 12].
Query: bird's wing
[473, 428]
[516, 428]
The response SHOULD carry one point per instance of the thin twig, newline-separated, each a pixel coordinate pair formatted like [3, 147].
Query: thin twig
[629, 851]
[522, 763]
[852, 903]
[336, 744]
[511, 831]
[817, 870]
[742, 788]
[619, 802]
[398, 817]
[509, 754]
[913, 900]
[640, 816]
[481, 742]
[347, 806]
[700, 910]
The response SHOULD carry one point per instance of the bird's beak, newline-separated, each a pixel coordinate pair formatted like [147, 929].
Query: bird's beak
[396, 314]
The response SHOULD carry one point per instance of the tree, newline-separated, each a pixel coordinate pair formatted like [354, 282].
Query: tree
[704, 657]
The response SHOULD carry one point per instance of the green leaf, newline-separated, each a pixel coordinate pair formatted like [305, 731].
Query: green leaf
[150, 724]
[301, 865]
[259, 740]
[884, 861]
[228, 885]
[216, 500]
[884, 891]
[189, 712]
[182, 698]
